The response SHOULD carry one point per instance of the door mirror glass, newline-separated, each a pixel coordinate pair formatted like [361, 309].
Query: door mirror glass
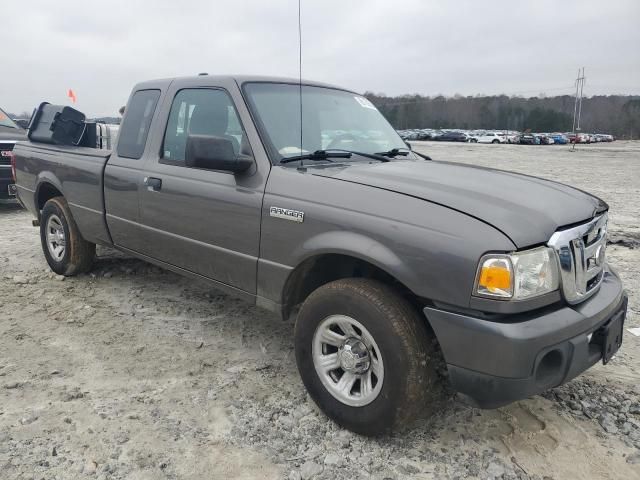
[214, 153]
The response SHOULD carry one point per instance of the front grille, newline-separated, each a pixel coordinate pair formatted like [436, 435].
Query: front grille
[5, 147]
[581, 258]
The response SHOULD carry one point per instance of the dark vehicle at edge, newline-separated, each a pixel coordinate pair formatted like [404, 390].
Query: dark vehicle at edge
[10, 133]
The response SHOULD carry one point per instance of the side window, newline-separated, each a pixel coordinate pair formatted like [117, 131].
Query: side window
[201, 111]
[137, 120]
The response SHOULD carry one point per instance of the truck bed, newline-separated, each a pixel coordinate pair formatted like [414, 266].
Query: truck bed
[77, 172]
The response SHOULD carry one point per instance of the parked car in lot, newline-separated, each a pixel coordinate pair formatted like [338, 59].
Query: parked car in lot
[560, 138]
[543, 139]
[604, 137]
[492, 137]
[528, 139]
[376, 250]
[425, 134]
[10, 133]
[583, 138]
[512, 137]
[452, 137]
[474, 135]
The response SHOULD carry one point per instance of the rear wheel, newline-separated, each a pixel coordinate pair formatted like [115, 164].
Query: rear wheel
[365, 356]
[67, 253]
[495, 141]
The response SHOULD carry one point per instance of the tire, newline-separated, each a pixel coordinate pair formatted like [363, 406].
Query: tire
[402, 352]
[68, 254]
[495, 141]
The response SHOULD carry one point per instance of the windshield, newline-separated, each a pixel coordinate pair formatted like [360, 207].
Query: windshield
[5, 121]
[332, 119]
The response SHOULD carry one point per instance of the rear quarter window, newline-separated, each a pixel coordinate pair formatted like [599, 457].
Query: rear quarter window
[136, 123]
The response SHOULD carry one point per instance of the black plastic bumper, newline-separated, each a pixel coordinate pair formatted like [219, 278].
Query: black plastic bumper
[4, 188]
[496, 363]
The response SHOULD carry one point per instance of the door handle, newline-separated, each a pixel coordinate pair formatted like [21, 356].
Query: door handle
[153, 184]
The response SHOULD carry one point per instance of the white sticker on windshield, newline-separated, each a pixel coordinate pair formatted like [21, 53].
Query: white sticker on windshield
[365, 103]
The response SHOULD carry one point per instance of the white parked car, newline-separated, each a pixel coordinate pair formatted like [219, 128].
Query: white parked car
[492, 137]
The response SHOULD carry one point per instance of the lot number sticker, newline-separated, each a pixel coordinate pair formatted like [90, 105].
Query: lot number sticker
[365, 103]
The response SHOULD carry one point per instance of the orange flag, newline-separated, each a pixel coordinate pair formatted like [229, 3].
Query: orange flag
[71, 94]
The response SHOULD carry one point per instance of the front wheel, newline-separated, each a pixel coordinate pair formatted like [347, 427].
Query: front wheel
[67, 253]
[365, 356]
[495, 141]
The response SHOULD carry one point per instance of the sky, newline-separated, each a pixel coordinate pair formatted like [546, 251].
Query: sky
[101, 49]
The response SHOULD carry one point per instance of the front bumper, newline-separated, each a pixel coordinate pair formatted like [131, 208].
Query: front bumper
[7, 188]
[495, 363]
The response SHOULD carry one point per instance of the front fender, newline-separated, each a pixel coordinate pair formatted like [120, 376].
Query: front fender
[359, 246]
[429, 248]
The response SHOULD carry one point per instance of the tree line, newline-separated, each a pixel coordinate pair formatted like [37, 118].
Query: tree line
[618, 115]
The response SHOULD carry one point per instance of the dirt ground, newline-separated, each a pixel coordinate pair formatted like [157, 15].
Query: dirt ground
[131, 372]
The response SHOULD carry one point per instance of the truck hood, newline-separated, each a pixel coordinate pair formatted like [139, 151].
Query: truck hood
[12, 134]
[526, 209]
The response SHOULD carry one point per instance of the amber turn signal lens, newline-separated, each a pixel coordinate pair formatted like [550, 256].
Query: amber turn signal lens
[495, 278]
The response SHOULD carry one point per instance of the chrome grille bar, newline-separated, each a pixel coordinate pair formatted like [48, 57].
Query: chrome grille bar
[581, 258]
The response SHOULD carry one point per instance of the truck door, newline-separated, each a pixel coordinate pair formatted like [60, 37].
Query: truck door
[124, 171]
[204, 221]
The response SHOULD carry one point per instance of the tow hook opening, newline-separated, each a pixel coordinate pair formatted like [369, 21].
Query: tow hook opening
[550, 367]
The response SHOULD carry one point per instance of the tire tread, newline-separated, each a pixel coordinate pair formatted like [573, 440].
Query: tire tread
[421, 389]
[81, 252]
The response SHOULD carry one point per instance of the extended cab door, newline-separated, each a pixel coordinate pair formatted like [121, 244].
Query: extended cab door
[123, 173]
[204, 221]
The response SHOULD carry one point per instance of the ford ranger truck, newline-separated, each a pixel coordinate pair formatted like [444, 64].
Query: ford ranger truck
[302, 199]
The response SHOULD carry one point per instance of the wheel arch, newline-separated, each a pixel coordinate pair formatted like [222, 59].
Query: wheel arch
[346, 260]
[47, 189]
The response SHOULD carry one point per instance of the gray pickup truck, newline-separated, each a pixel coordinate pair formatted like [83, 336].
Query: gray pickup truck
[302, 199]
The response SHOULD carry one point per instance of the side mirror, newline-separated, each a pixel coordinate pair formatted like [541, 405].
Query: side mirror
[214, 153]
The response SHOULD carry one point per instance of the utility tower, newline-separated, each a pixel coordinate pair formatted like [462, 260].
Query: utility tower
[577, 108]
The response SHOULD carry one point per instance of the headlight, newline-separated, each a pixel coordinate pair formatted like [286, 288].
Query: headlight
[517, 276]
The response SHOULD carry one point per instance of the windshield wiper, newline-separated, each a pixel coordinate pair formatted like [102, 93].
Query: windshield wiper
[318, 155]
[422, 155]
[394, 152]
[374, 156]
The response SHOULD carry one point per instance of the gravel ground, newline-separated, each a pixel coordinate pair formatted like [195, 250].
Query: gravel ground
[132, 372]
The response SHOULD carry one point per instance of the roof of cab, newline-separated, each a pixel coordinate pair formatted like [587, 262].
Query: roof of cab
[239, 79]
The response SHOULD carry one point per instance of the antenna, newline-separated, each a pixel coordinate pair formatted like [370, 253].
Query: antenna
[300, 70]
